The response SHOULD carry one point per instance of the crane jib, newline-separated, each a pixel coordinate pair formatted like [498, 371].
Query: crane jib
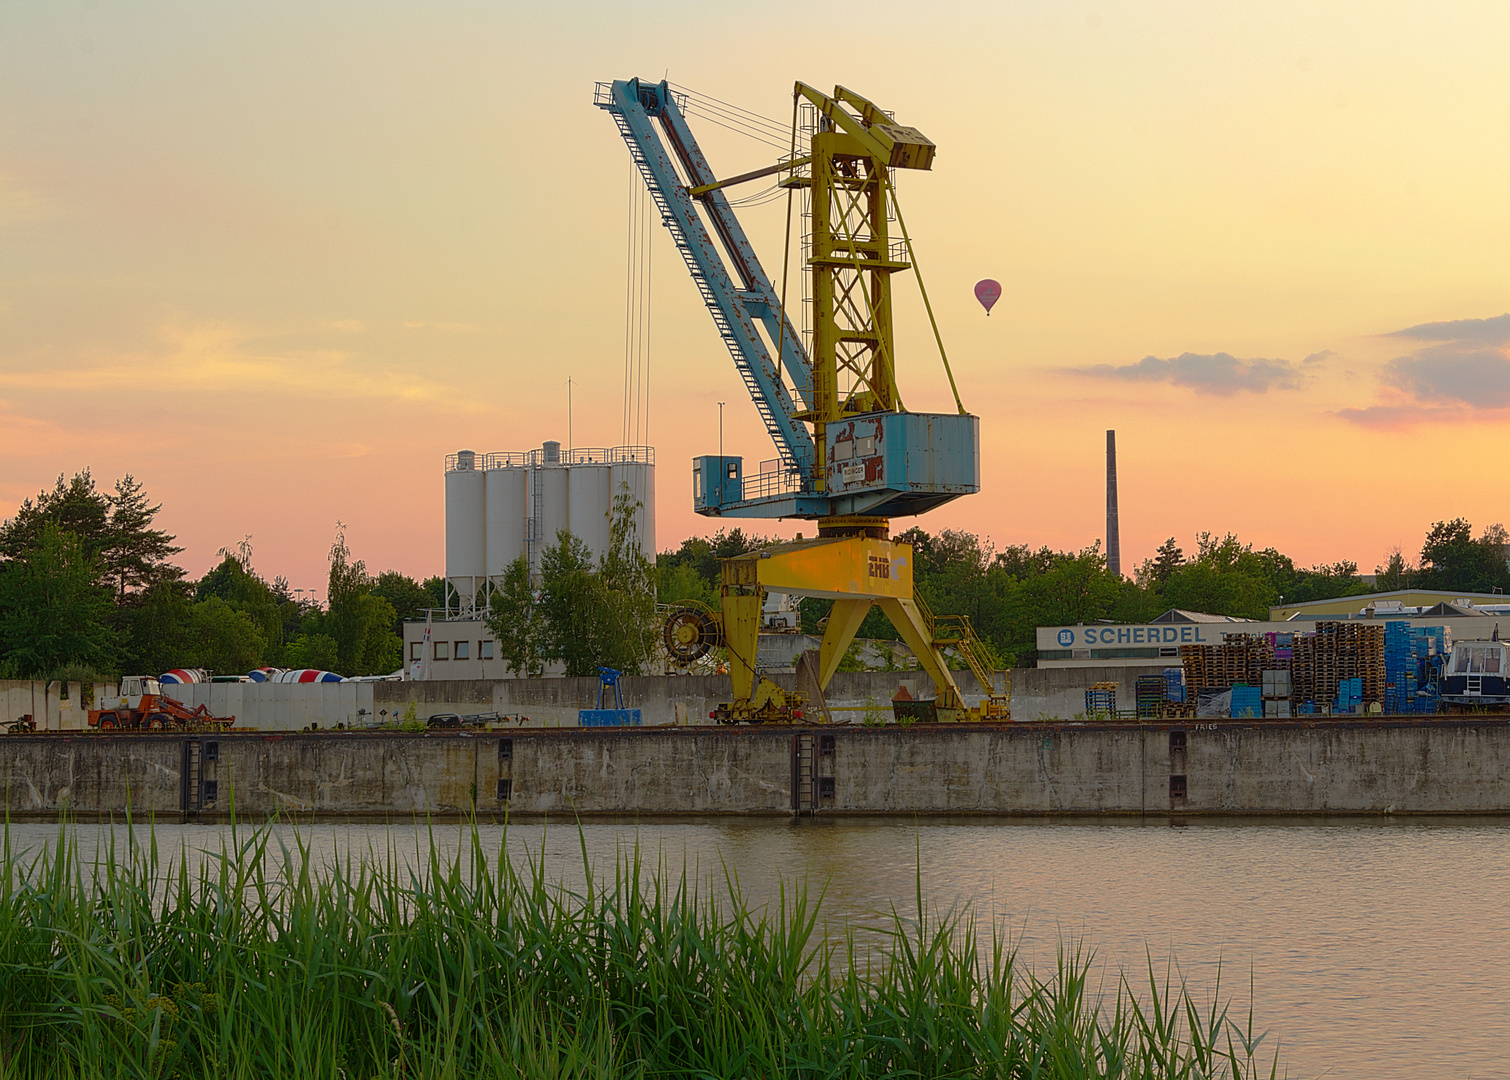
[864, 454]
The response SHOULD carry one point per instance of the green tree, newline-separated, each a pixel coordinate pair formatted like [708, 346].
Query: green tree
[571, 605]
[600, 615]
[318, 651]
[155, 634]
[135, 555]
[1077, 588]
[408, 597]
[53, 611]
[73, 506]
[1395, 574]
[517, 622]
[1451, 558]
[360, 621]
[628, 579]
[115, 530]
[1169, 558]
[235, 582]
[223, 640]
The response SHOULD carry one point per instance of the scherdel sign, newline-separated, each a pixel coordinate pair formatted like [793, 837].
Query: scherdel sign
[1101, 637]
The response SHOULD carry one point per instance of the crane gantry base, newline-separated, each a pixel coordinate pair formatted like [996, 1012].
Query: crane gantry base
[855, 571]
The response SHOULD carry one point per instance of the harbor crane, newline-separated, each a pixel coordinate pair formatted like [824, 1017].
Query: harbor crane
[849, 454]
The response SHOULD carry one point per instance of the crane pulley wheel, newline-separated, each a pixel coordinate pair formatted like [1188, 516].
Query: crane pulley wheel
[689, 632]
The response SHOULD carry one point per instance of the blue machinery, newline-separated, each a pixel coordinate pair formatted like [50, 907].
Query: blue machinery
[849, 454]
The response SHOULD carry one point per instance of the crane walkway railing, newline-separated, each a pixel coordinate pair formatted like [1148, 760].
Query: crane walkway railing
[956, 632]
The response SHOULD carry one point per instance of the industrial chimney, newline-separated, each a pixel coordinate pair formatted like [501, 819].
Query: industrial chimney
[1113, 540]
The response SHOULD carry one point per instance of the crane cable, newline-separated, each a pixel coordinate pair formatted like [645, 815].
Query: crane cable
[638, 264]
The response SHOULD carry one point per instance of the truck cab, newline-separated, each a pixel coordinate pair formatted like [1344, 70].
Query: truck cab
[132, 689]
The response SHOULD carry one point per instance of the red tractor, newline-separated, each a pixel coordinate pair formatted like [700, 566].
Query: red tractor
[142, 707]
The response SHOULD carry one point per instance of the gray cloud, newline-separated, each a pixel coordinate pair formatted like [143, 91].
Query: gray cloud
[1479, 379]
[1466, 368]
[1220, 374]
[1495, 331]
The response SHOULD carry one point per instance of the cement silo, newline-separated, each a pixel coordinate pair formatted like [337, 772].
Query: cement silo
[508, 514]
[503, 505]
[590, 500]
[466, 531]
[634, 467]
[550, 501]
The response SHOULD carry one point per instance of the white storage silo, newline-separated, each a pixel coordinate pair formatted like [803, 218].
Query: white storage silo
[550, 503]
[590, 504]
[640, 477]
[508, 509]
[466, 538]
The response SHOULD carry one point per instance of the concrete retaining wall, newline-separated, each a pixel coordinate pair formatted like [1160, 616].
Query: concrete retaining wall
[1037, 694]
[1231, 767]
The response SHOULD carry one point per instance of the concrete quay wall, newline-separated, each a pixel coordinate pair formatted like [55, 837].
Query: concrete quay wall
[1037, 694]
[1459, 766]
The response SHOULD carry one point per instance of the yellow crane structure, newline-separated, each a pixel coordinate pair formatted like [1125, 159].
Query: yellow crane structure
[851, 455]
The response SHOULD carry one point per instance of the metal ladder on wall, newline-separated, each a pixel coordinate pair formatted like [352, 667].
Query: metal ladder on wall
[804, 773]
[191, 780]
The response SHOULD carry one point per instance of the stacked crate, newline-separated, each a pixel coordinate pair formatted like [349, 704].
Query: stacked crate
[1276, 687]
[1399, 669]
[1101, 701]
[1148, 691]
[1241, 658]
[1174, 684]
[1338, 651]
[1247, 702]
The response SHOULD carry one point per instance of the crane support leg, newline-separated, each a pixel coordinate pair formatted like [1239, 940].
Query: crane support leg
[843, 623]
[909, 622]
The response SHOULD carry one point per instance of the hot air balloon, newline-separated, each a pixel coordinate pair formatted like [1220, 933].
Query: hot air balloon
[987, 292]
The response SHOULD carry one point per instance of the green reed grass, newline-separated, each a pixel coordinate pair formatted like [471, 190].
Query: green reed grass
[266, 961]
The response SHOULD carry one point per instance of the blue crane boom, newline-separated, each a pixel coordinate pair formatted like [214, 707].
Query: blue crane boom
[846, 452]
[735, 307]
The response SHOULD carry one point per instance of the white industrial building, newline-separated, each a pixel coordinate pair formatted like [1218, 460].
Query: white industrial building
[500, 506]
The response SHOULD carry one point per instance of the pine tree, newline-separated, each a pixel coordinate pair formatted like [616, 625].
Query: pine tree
[135, 555]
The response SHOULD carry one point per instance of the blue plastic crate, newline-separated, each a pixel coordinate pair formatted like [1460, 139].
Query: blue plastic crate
[608, 717]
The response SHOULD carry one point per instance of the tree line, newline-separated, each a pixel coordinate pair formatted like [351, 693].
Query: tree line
[89, 588]
[1009, 593]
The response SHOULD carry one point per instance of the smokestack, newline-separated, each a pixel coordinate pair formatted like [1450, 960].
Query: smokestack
[1113, 540]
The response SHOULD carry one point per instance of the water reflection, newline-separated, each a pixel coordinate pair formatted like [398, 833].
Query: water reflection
[1377, 949]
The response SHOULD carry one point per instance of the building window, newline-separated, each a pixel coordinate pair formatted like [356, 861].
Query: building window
[826, 745]
[442, 650]
[212, 751]
[1177, 741]
[416, 650]
[463, 650]
[505, 789]
[825, 787]
[211, 791]
[484, 650]
[505, 749]
[1177, 787]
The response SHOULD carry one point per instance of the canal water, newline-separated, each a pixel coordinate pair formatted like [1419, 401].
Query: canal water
[1376, 949]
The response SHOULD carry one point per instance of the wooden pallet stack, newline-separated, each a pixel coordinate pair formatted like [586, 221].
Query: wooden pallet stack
[1240, 659]
[1337, 651]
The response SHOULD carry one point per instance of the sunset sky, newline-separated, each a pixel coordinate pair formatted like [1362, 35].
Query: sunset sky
[277, 260]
